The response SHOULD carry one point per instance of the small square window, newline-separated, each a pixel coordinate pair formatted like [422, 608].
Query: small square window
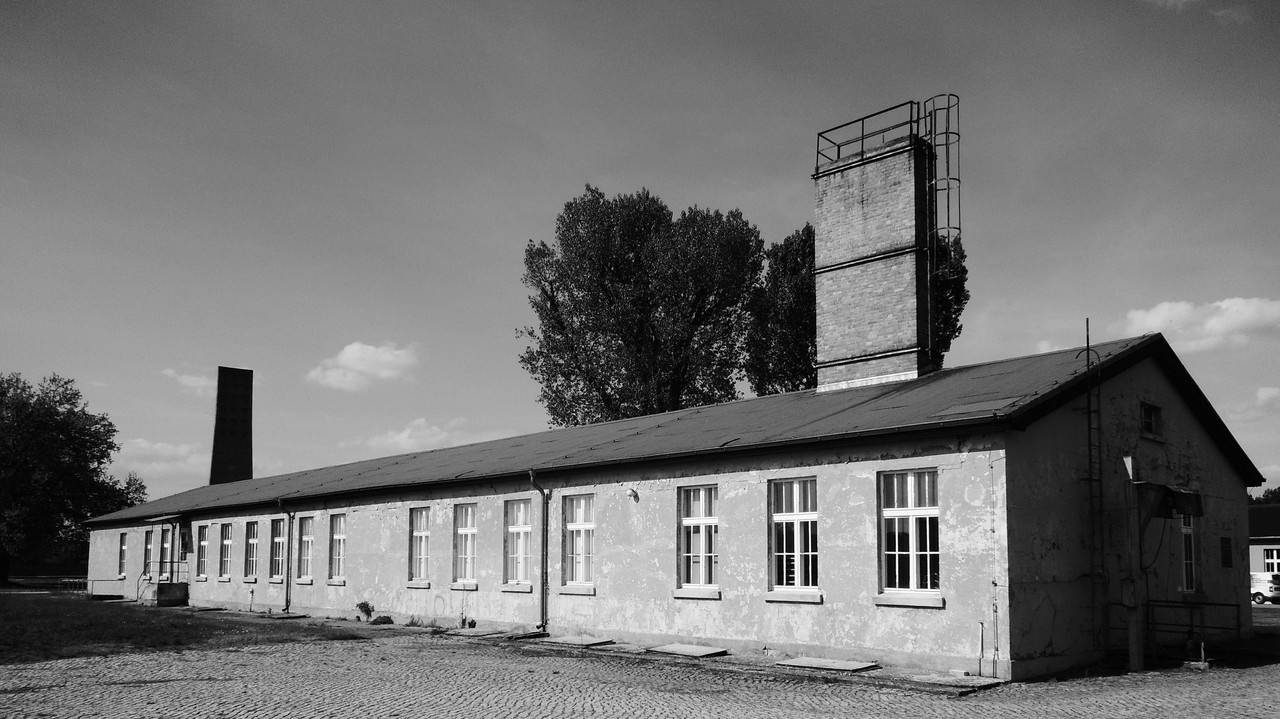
[1152, 420]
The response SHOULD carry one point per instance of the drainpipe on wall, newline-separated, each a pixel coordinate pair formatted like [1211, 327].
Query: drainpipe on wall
[546, 522]
[288, 555]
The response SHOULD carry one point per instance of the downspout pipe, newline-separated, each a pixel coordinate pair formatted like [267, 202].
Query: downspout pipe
[288, 554]
[546, 522]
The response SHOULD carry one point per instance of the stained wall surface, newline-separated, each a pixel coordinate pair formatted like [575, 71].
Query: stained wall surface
[635, 594]
[1064, 610]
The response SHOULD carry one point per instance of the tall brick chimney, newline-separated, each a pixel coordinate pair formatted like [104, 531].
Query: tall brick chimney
[873, 250]
[233, 427]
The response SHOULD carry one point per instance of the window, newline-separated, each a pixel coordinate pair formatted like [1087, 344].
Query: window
[306, 541]
[517, 540]
[1152, 420]
[251, 549]
[579, 538]
[1188, 527]
[419, 543]
[1225, 553]
[909, 530]
[793, 516]
[464, 542]
[277, 548]
[699, 535]
[202, 549]
[166, 552]
[124, 553]
[337, 546]
[1271, 560]
[224, 552]
[147, 538]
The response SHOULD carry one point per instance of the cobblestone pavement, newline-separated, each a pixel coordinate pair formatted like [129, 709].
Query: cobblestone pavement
[408, 673]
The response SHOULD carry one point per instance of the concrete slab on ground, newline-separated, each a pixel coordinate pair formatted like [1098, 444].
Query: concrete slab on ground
[579, 641]
[836, 665]
[689, 650]
[963, 681]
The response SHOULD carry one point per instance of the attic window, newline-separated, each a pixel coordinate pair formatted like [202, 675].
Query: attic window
[1152, 421]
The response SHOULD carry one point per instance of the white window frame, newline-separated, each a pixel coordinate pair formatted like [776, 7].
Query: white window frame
[337, 546]
[279, 549]
[1190, 569]
[909, 531]
[224, 551]
[166, 552]
[148, 537]
[464, 542]
[419, 543]
[517, 515]
[1271, 560]
[793, 534]
[699, 537]
[122, 560]
[202, 550]
[306, 546]
[251, 549]
[579, 539]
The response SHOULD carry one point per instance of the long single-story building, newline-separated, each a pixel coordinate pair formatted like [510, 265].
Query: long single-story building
[1009, 519]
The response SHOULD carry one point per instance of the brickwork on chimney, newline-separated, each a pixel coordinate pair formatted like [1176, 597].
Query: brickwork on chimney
[871, 265]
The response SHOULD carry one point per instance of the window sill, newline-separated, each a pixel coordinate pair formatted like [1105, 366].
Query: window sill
[906, 599]
[202, 579]
[584, 590]
[275, 580]
[121, 576]
[695, 593]
[466, 586]
[1153, 437]
[525, 588]
[794, 596]
[304, 581]
[337, 582]
[146, 578]
[250, 580]
[224, 579]
[418, 584]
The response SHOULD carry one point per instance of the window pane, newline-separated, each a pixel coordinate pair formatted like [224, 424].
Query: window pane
[709, 502]
[808, 495]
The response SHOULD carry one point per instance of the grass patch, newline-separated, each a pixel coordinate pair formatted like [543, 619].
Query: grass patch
[39, 627]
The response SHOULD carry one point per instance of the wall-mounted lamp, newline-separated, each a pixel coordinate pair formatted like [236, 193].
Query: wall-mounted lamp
[633, 494]
[1128, 466]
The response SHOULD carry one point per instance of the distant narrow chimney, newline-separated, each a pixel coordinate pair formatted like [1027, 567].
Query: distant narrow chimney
[233, 427]
[874, 235]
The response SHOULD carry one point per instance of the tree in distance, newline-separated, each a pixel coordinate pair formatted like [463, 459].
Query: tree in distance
[638, 313]
[781, 347]
[53, 458]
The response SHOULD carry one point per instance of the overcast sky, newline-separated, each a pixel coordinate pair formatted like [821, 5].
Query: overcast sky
[337, 195]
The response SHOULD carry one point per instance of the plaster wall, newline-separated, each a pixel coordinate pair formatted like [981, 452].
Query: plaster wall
[635, 596]
[1052, 567]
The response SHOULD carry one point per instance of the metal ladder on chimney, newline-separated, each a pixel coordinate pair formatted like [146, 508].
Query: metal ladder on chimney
[1093, 477]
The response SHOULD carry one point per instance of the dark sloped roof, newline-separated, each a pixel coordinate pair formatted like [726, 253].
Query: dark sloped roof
[1264, 520]
[1014, 391]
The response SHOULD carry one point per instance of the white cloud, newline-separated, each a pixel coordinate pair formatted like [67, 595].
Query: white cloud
[1171, 4]
[419, 435]
[1234, 15]
[359, 364]
[1236, 321]
[156, 460]
[197, 384]
[1265, 403]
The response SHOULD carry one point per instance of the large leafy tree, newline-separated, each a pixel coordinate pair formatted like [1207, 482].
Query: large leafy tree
[638, 312]
[781, 345]
[53, 458]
